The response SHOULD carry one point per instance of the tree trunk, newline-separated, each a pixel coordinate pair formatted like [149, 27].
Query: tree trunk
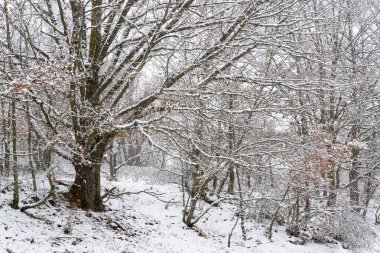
[354, 172]
[46, 157]
[30, 158]
[222, 182]
[37, 155]
[199, 189]
[85, 191]
[353, 176]
[231, 179]
[215, 183]
[6, 144]
[369, 189]
[113, 164]
[331, 201]
[241, 208]
[16, 197]
[231, 138]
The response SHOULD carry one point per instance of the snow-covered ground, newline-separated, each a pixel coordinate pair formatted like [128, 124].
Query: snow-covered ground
[136, 223]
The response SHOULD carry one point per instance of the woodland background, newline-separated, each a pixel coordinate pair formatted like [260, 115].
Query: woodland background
[268, 107]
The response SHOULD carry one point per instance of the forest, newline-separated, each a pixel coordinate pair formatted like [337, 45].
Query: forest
[190, 126]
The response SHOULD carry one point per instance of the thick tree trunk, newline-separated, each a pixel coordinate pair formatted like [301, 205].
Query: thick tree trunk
[85, 191]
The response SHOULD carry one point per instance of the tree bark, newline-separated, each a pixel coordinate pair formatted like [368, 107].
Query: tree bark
[353, 177]
[113, 164]
[85, 191]
[231, 179]
[6, 137]
[16, 198]
[30, 158]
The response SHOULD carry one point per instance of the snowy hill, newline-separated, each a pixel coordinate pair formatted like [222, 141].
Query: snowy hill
[137, 223]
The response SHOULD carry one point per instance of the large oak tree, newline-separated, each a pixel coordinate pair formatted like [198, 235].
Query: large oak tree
[93, 69]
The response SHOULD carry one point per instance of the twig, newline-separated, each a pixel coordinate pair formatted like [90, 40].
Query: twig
[213, 204]
[6, 187]
[68, 237]
[119, 225]
[110, 194]
[37, 218]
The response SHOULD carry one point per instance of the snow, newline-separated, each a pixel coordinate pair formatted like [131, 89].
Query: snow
[135, 223]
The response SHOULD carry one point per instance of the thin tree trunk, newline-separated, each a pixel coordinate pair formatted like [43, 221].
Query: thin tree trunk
[331, 199]
[7, 131]
[242, 209]
[112, 162]
[16, 199]
[222, 182]
[274, 216]
[354, 173]
[46, 157]
[215, 183]
[6, 139]
[37, 155]
[231, 137]
[199, 189]
[231, 179]
[30, 158]
[369, 189]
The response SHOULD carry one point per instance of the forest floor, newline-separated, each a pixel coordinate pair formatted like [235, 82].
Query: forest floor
[134, 223]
